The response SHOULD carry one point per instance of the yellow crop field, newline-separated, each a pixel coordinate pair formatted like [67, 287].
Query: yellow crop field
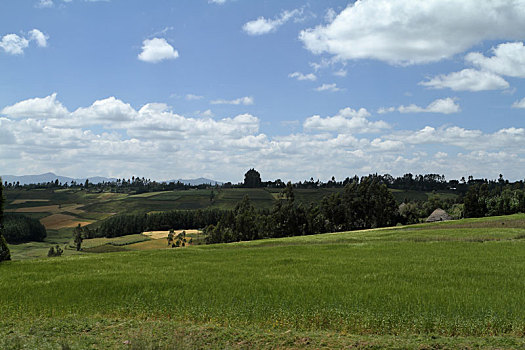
[164, 234]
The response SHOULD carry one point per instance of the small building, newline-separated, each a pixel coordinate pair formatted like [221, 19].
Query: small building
[438, 215]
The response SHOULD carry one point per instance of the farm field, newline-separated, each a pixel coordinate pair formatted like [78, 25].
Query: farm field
[62, 210]
[455, 284]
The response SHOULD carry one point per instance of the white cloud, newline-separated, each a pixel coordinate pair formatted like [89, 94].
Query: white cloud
[301, 76]
[467, 80]
[13, 44]
[36, 108]
[412, 32]
[263, 25]
[508, 59]
[247, 100]
[207, 113]
[519, 104]
[44, 4]
[341, 73]
[328, 87]
[39, 37]
[192, 97]
[348, 121]
[220, 2]
[445, 106]
[111, 136]
[330, 15]
[156, 50]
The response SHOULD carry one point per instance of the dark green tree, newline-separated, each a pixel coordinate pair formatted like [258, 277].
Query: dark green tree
[5, 254]
[170, 237]
[476, 201]
[252, 179]
[77, 235]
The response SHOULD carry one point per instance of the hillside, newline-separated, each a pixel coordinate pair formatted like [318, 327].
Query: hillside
[62, 209]
[446, 285]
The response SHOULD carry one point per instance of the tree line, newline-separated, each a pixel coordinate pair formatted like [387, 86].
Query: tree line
[122, 225]
[252, 179]
[20, 228]
[484, 200]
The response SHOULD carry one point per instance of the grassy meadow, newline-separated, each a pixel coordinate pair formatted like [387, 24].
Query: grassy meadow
[455, 284]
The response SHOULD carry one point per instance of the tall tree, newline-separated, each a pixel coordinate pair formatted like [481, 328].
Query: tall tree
[5, 254]
[252, 179]
[77, 235]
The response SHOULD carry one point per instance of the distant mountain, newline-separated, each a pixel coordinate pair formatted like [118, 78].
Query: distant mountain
[48, 177]
[195, 182]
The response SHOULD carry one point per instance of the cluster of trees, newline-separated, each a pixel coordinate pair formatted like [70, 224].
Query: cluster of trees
[121, 225]
[362, 204]
[485, 200]
[20, 228]
[179, 240]
[5, 254]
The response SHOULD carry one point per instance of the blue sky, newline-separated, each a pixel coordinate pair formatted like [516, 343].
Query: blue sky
[296, 89]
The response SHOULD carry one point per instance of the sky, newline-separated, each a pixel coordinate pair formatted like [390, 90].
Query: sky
[296, 89]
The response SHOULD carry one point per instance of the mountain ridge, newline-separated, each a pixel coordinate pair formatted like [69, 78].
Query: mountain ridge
[49, 177]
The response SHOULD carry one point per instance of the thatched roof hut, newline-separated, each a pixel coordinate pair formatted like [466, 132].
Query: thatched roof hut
[438, 215]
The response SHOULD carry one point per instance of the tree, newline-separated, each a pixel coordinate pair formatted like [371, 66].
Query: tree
[252, 179]
[57, 251]
[170, 237]
[181, 239]
[77, 235]
[5, 254]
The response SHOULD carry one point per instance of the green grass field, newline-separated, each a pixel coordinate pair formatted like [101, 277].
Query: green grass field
[449, 285]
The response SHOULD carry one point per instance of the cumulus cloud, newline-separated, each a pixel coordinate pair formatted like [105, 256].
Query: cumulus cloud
[263, 25]
[246, 101]
[413, 32]
[301, 76]
[116, 138]
[36, 108]
[445, 106]
[348, 120]
[14, 44]
[467, 80]
[39, 37]
[156, 50]
[507, 59]
[519, 104]
[328, 87]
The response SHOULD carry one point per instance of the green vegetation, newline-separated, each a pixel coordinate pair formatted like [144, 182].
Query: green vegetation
[20, 228]
[5, 254]
[441, 285]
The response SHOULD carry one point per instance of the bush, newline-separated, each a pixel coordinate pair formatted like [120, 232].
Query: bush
[54, 251]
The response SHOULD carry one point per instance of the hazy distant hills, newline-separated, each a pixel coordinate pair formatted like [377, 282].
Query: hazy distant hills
[48, 177]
